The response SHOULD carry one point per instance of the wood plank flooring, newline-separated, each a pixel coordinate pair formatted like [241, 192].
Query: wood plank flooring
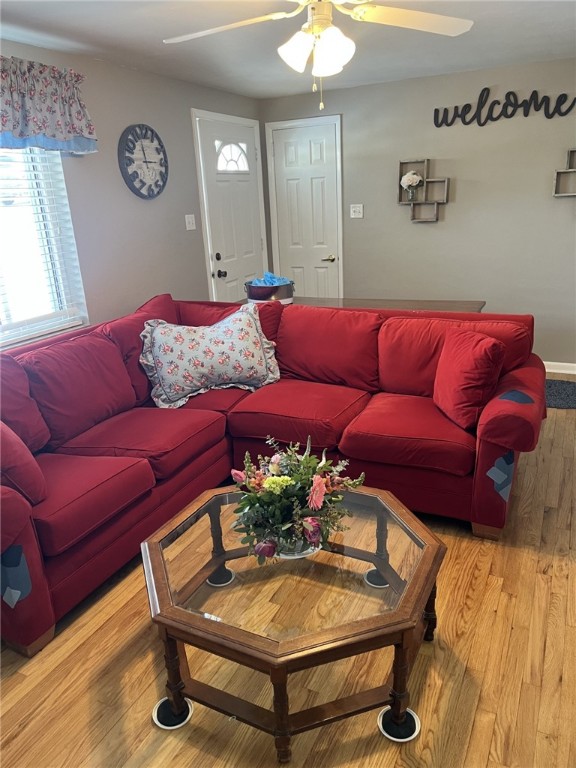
[496, 689]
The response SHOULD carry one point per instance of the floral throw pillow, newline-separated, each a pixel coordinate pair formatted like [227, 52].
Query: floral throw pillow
[182, 361]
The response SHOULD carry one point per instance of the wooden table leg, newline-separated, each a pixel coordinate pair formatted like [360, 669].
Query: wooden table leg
[399, 692]
[175, 710]
[222, 575]
[430, 615]
[174, 684]
[279, 678]
[398, 722]
[376, 577]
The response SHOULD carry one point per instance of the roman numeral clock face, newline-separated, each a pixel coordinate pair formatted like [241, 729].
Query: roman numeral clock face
[143, 161]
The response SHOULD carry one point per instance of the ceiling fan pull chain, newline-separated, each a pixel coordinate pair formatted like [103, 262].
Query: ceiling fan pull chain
[315, 89]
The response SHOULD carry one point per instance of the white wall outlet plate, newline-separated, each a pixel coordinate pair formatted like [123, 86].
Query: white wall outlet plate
[190, 221]
[357, 211]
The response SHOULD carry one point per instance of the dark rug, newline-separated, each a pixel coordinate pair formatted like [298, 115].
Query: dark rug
[560, 393]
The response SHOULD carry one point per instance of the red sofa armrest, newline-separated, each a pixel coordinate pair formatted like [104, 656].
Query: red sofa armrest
[26, 610]
[512, 418]
[14, 516]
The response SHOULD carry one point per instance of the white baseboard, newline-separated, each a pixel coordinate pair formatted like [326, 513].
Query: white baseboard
[560, 367]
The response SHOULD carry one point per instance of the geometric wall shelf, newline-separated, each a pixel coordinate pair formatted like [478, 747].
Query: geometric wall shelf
[421, 168]
[425, 199]
[436, 190]
[423, 212]
[565, 180]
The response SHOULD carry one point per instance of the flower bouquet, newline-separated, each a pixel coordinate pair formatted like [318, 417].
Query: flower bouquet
[291, 501]
[410, 182]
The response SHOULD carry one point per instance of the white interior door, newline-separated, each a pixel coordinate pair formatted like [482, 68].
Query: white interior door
[306, 204]
[230, 182]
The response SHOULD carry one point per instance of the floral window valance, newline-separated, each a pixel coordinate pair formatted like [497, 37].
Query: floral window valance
[41, 106]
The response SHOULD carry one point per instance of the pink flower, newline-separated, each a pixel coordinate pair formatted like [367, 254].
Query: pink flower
[316, 495]
[313, 534]
[238, 476]
[266, 548]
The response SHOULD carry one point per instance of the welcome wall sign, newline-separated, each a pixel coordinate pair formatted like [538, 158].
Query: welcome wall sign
[487, 111]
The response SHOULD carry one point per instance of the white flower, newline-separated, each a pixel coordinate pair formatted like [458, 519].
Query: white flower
[411, 179]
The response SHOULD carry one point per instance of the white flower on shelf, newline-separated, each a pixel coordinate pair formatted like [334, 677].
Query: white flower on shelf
[411, 179]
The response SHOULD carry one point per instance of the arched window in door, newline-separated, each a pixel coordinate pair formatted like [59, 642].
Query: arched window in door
[232, 158]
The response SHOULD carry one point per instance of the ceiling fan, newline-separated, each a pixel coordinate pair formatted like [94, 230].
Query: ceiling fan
[329, 48]
[361, 11]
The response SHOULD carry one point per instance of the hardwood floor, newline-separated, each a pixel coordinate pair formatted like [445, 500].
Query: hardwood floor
[496, 688]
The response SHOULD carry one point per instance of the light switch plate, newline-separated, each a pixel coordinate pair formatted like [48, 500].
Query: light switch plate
[357, 211]
[190, 221]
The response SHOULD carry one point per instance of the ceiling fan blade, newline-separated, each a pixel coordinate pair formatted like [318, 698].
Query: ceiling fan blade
[399, 17]
[233, 25]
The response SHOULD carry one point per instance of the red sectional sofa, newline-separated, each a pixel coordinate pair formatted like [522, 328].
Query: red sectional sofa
[432, 406]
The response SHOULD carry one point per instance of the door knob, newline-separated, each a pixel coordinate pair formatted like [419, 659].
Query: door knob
[329, 258]
[218, 256]
[222, 273]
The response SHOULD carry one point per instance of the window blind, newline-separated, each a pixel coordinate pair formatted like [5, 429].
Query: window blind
[41, 289]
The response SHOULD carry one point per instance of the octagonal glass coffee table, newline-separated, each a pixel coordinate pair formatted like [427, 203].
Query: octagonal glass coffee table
[373, 588]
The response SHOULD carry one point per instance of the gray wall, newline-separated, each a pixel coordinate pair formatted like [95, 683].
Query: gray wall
[131, 249]
[502, 237]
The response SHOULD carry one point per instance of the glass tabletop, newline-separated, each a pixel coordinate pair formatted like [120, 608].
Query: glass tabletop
[365, 573]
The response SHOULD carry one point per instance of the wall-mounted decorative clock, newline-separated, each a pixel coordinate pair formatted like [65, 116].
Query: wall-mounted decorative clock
[143, 161]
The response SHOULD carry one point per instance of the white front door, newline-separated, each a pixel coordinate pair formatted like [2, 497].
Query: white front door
[230, 182]
[306, 204]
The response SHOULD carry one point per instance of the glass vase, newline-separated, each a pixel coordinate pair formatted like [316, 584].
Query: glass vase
[295, 549]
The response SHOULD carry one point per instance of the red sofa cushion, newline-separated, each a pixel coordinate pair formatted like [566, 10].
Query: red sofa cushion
[409, 431]
[77, 384]
[329, 346]
[222, 400]
[198, 313]
[163, 303]
[17, 409]
[125, 333]
[83, 493]
[18, 468]
[467, 374]
[409, 349]
[290, 410]
[166, 438]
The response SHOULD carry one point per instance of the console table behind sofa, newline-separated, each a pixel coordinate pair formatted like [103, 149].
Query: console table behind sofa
[415, 304]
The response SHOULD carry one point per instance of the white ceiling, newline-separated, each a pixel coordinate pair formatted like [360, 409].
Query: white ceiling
[244, 61]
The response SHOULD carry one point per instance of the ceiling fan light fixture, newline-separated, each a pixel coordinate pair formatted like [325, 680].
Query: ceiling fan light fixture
[332, 51]
[296, 51]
